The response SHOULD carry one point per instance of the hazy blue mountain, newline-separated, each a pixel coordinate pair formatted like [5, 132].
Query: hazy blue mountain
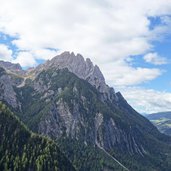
[162, 121]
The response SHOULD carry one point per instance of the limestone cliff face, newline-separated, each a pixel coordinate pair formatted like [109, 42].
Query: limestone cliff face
[13, 68]
[7, 92]
[82, 68]
[76, 110]
[91, 127]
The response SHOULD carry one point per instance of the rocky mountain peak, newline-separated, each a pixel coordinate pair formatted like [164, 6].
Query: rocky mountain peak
[84, 69]
[76, 64]
[10, 66]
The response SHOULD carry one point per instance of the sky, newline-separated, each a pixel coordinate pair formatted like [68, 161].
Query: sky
[129, 40]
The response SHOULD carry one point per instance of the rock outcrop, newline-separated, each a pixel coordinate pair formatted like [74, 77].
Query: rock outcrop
[14, 68]
[68, 100]
[7, 92]
[84, 69]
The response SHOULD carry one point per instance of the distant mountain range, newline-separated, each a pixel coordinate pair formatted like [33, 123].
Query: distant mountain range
[162, 121]
[67, 100]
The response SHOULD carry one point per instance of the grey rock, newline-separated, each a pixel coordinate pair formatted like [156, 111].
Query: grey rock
[7, 92]
[61, 120]
[11, 67]
[84, 69]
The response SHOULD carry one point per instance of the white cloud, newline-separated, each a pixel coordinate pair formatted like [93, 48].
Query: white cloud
[26, 59]
[147, 100]
[107, 31]
[121, 74]
[5, 53]
[44, 54]
[155, 59]
[81, 25]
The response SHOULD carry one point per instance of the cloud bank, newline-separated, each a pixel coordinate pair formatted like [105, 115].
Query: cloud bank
[108, 32]
[148, 100]
[155, 59]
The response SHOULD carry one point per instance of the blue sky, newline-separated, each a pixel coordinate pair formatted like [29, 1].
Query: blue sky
[163, 82]
[130, 43]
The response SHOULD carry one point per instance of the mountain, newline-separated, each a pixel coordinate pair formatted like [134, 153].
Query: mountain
[68, 100]
[23, 150]
[162, 121]
[10, 67]
[84, 69]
